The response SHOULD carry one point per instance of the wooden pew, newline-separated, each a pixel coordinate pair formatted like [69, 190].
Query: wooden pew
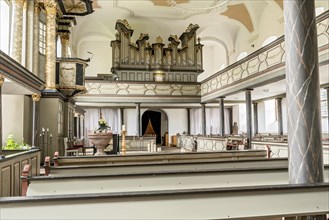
[157, 157]
[161, 180]
[210, 203]
[79, 170]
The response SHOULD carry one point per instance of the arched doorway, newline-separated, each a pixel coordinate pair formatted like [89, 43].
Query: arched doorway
[159, 120]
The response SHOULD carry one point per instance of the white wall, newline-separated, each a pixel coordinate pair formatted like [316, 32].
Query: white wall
[101, 61]
[12, 117]
[177, 120]
[236, 115]
[214, 55]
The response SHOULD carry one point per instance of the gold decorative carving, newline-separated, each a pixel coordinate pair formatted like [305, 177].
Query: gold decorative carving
[167, 3]
[240, 13]
[2, 80]
[124, 22]
[159, 40]
[51, 7]
[36, 7]
[36, 97]
[19, 2]
[191, 27]
[174, 37]
[280, 3]
[65, 37]
[141, 36]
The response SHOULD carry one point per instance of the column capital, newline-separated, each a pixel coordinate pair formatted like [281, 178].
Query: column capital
[2, 80]
[51, 7]
[64, 36]
[248, 90]
[254, 102]
[222, 97]
[36, 6]
[278, 98]
[18, 2]
[36, 97]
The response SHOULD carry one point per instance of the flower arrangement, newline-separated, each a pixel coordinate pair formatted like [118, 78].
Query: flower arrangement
[103, 127]
[11, 144]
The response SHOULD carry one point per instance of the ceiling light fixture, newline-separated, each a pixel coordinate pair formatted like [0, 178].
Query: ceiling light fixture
[199, 8]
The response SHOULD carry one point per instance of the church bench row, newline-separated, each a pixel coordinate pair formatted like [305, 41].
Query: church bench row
[155, 181]
[211, 203]
[280, 149]
[158, 157]
[79, 170]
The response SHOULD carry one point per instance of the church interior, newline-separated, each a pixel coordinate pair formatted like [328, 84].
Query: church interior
[164, 109]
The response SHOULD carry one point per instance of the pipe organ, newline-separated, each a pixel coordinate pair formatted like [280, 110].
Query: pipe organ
[142, 61]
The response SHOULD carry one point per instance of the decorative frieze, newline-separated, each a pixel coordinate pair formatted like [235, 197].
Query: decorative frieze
[260, 66]
[155, 89]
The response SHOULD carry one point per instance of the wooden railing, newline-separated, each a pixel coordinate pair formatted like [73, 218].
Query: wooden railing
[11, 170]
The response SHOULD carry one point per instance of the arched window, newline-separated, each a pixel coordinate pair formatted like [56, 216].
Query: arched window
[242, 55]
[319, 10]
[4, 26]
[269, 40]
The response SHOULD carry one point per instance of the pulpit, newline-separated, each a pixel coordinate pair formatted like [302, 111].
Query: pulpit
[70, 75]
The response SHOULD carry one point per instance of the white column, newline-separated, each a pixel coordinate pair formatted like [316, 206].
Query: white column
[35, 98]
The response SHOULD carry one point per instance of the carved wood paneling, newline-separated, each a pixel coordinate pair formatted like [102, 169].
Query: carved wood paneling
[16, 177]
[11, 169]
[6, 176]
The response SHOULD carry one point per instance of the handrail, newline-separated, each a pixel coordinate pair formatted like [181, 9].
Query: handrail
[271, 45]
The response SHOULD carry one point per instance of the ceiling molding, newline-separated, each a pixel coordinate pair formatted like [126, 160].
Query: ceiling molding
[280, 3]
[116, 5]
[241, 14]
[166, 3]
[95, 4]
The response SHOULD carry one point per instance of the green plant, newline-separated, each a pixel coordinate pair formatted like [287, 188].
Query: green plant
[11, 144]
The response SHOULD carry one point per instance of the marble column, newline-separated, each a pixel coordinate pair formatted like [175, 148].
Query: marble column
[255, 105]
[203, 119]
[303, 93]
[16, 35]
[2, 80]
[50, 70]
[221, 116]
[138, 119]
[24, 34]
[29, 35]
[278, 111]
[35, 98]
[65, 38]
[35, 65]
[249, 118]
[188, 120]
